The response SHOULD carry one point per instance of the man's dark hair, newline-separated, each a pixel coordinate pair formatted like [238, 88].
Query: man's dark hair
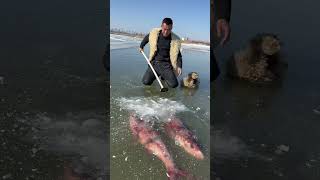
[168, 21]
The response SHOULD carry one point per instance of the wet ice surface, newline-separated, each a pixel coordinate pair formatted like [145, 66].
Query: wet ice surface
[82, 136]
[227, 146]
[38, 137]
[37, 144]
[49, 67]
[129, 160]
[278, 124]
[49, 141]
[269, 136]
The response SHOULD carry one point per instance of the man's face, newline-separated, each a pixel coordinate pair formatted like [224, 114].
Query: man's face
[166, 29]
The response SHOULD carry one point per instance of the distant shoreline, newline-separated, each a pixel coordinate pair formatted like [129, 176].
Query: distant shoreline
[142, 35]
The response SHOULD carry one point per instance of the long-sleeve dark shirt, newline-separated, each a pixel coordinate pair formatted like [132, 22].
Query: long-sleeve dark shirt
[163, 49]
[221, 9]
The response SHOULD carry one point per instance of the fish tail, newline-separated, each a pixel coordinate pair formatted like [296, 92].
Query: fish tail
[176, 174]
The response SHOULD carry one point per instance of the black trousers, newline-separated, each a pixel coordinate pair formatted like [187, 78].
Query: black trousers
[105, 62]
[163, 69]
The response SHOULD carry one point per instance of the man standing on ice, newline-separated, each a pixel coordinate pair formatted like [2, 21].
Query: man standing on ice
[165, 55]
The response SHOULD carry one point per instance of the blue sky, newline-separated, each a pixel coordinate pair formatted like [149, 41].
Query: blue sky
[190, 17]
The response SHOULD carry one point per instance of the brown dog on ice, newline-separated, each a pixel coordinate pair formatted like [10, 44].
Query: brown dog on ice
[191, 80]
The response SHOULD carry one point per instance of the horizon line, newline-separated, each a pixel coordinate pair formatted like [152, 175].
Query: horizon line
[125, 30]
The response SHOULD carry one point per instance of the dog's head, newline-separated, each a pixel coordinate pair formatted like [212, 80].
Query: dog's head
[266, 43]
[193, 75]
[270, 45]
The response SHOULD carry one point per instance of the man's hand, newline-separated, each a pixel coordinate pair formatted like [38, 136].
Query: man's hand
[178, 71]
[140, 50]
[223, 28]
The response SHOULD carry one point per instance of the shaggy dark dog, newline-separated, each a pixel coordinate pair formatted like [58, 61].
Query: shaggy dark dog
[191, 80]
[259, 61]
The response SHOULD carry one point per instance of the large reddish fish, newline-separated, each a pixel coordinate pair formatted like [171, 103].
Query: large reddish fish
[183, 137]
[150, 139]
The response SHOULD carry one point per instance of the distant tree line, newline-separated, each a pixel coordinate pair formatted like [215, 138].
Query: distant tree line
[132, 33]
[126, 32]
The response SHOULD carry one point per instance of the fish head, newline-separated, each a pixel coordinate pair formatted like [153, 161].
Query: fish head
[133, 120]
[134, 124]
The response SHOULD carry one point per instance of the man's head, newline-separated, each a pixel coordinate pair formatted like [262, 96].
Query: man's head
[166, 26]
